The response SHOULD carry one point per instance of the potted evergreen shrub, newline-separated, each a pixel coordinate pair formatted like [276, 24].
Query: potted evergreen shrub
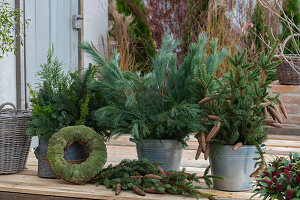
[234, 111]
[156, 109]
[62, 100]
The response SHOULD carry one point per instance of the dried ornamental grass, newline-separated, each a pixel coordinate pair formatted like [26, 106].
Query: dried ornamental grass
[120, 32]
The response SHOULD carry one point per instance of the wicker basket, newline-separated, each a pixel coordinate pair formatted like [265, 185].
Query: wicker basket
[14, 143]
[288, 72]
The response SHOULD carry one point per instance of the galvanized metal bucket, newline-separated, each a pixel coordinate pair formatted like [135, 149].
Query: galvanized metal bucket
[75, 153]
[235, 166]
[168, 152]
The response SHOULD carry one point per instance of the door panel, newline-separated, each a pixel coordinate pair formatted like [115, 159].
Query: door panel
[50, 23]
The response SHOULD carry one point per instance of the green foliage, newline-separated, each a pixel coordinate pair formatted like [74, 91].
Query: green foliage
[194, 20]
[292, 11]
[201, 6]
[84, 171]
[204, 80]
[84, 109]
[237, 100]
[158, 105]
[8, 21]
[281, 179]
[262, 31]
[173, 182]
[62, 99]
[141, 31]
[51, 72]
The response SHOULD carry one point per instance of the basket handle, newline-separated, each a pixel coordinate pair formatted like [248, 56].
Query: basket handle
[12, 105]
[282, 52]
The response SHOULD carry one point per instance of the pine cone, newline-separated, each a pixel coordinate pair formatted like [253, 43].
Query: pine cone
[213, 117]
[138, 191]
[149, 190]
[237, 146]
[203, 142]
[283, 109]
[199, 148]
[265, 110]
[275, 114]
[213, 131]
[161, 171]
[206, 99]
[118, 189]
[153, 176]
[206, 153]
[136, 177]
[269, 121]
[276, 125]
[256, 172]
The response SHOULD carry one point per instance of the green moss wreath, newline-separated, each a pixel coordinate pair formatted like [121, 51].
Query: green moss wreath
[76, 173]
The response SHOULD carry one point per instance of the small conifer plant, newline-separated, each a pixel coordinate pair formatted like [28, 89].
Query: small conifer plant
[62, 99]
[236, 107]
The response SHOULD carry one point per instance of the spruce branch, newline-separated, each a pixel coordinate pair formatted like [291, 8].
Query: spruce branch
[239, 101]
[144, 176]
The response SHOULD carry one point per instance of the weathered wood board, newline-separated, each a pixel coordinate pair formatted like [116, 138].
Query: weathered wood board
[27, 185]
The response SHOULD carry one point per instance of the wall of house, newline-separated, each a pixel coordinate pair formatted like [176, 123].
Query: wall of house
[95, 23]
[8, 79]
[8, 75]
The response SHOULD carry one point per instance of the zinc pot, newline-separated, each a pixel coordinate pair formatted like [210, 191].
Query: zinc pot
[235, 166]
[168, 152]
[74, 154]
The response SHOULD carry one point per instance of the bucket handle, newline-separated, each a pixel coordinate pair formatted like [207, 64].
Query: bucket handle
[133, 140]
[14, 113]
[42, 157]
[187, 138]
[282, 47]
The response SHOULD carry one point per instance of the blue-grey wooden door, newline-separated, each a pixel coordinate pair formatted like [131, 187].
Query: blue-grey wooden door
[50, 23]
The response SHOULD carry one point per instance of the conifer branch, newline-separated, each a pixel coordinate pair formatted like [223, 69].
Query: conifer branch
[144, 176]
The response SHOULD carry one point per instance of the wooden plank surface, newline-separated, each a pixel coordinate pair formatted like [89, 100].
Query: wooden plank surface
[23, 196]
[28, 184]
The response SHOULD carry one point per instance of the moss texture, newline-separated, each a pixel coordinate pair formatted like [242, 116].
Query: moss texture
[76, 173]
